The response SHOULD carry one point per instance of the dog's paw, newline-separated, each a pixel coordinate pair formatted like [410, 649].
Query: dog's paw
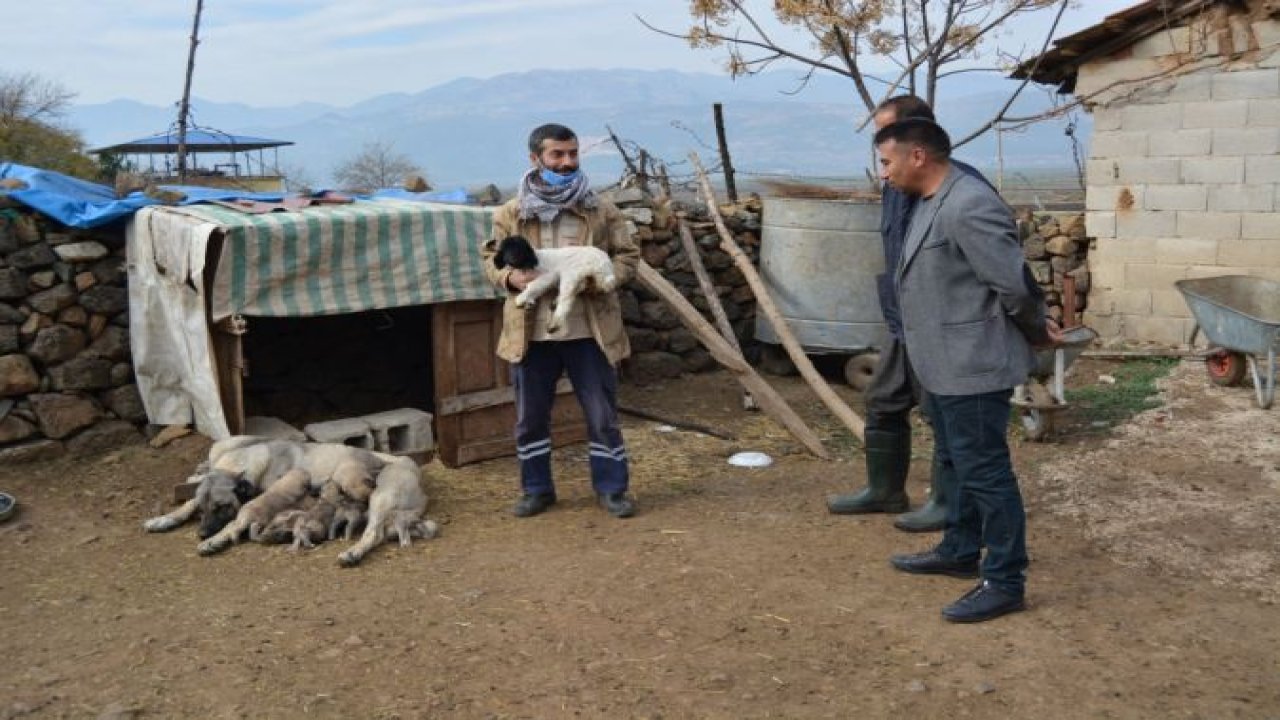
[349, 559]
[427, 529]
[163, 523]
[212, 547]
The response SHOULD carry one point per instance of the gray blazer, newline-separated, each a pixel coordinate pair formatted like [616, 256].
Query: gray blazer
[969, 318]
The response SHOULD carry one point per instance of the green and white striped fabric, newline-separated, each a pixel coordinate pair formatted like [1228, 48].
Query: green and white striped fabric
[334, 259]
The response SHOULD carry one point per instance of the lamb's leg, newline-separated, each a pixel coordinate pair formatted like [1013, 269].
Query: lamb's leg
[568, 295]
[165, 523]
[537, 288]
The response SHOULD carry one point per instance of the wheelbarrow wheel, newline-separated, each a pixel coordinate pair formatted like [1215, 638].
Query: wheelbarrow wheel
[859, 369]
[1037, 417]
[1226, 368]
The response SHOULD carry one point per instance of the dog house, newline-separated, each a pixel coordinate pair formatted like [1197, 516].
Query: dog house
[322, 313]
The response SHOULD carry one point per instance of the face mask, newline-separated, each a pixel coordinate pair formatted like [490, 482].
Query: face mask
[555, 179]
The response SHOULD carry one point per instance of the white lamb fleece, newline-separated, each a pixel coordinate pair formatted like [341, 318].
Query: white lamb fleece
[571, 270]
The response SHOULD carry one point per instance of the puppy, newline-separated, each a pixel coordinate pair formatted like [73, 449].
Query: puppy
[397, 504]
[570, 270]
[348, 511]
[306, 528]
[255, 515]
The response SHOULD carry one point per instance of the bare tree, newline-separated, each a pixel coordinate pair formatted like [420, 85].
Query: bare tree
[378, 165]
[30, 110]
[924, 40]
[29, 97]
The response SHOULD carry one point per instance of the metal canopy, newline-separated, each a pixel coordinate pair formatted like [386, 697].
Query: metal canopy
[197, 141]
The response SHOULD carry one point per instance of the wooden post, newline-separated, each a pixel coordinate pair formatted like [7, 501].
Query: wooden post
[770, 401]
[725, 162]
[625, 157]
[765, 304]
[184, 108]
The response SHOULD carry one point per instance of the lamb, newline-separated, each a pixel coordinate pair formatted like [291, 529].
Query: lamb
[569, 269]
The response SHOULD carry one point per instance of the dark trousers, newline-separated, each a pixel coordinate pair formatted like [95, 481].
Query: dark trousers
[987, 511]
[893, 391]
[596, 386]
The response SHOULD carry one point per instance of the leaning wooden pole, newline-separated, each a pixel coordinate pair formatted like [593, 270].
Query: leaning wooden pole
[765, 304]
[770, 401]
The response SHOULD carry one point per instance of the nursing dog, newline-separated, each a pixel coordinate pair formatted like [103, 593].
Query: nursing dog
[396, 505]
[254, 464]
[254, 516]
[570, 270]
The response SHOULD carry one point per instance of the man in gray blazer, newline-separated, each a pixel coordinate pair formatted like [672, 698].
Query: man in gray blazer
[970, 322]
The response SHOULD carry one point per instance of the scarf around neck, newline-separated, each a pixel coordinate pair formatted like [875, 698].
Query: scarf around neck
[540, 200]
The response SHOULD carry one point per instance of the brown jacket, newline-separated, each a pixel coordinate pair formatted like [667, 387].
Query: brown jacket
[608, 231]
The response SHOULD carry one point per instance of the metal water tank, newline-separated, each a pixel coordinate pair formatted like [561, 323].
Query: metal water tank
[819, 260]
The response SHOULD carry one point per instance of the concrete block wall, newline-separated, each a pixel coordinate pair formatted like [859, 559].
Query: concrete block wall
[1183, 175]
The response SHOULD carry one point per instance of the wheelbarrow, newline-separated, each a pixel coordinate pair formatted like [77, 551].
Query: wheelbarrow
[1240, 317]
[1043, 395]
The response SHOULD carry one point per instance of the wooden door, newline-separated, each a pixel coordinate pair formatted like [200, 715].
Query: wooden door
[474, 401]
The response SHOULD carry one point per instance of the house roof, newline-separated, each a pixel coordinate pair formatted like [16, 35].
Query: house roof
[1119, 30]
[197, 141]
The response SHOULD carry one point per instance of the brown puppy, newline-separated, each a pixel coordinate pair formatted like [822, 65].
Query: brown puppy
[254, 516]
[305, 527]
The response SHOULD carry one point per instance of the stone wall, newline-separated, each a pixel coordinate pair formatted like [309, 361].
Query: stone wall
[1184, 169]
[66, 383]
[1056, 247]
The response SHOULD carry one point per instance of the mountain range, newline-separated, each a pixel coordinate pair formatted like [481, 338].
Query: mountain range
[470, 131]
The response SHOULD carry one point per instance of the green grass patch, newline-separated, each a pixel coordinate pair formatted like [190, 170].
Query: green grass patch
[1133, 392]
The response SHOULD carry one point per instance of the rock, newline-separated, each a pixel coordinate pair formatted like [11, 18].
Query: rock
[8, 241]
[110, 271]
[984, 688]
[42, 280]
[52, 300]
[58, 238]
[169, 434]
[643, 234]
[681, 341]
[113, 344]
[24, 227]
[97, 324]
[699, 361]
[64, 271]
[1064, 265]
[1048, 228]
[742, 294]
[13, 284]
[1083, 279]
[102, 437]
[917, 686]
[717, 260]
[628, 196]
[30, 258]
[638, 215]
[85, 280]
[11, 315]
[32, 451]
[126, 403]
[84, 372]
[9, 339]
[643, 339]
[1034, 248]
[716, 681]
[1074, 228]
[121, 319]
[34, 323]
[104, 300]
[416, 183]
[647, 367]
[121, 374]
[14, 428]
[56, 344]
[75, 316]
[1041, 271]
[630, 307]
[1061, 245]
[656, 254]
[60, 415]
[17, 376]
[658, 315]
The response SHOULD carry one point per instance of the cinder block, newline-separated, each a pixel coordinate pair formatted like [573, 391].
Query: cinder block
[1169, 303]
[1118, 143]
[1262, 169]
[1213, 170]
[1150, 276]
[1108, 325]
[1158, 329]
[1102, 171]
[1249, 253]
[272, 428]
[1132, 248]
[1106, 118]
[1215, 114]
[1130, 302]
[1150, 170]
[1197, 226]
[1166, 42]
[1263, 113]
[1246, 84]
[347, 431]
[1104, 277]
[1241, 198]
[1176, 197]
[1246, 141]
[1260, 226]
[1190, 248]
[1113, 197]
[1179, 143]
[1094, 77]
[406, 431]
[1154, 116]
[1100, 224]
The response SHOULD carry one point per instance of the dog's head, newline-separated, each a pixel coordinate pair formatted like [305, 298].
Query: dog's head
[219, 497]
[515, 252]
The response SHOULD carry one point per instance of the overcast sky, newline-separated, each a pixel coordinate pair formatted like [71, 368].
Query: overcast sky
[280, 52]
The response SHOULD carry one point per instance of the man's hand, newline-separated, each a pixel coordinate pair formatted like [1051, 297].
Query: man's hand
[1054, 331]
[520, 279]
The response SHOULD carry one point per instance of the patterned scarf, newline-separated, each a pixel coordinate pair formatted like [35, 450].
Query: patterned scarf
[540, 200]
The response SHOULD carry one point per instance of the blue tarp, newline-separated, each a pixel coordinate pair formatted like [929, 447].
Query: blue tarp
[82, 204]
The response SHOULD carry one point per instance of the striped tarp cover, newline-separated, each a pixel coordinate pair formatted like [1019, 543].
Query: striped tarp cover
[334, 259]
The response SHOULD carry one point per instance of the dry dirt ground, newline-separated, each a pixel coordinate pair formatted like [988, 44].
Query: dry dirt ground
[1153, 588]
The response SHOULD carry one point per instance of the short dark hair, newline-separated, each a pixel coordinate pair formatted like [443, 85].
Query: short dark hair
[907, 106]
[917, 131]
[550, 131]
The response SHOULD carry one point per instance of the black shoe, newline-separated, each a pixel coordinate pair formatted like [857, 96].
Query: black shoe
[617, 504]
[530, 504]
[931, 563]
[983, 602]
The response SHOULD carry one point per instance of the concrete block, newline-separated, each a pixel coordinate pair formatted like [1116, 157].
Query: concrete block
[1150, 276]
[1213, 170]
[1188, 249]
[1158, 329]
[1175, 197]
[1169, 303]
[1191, 87]
[1106, 118]
[1260, 226]
[1117, 143]
[272, 428]
[1246, 141]
[1263, 113]
[1105, 277]
[1172, 41]
[1154, 116]
[1246, 84]
[1094, 76]
[347, 431]
[406, 431]
[1130, 302]
[1100, 224]
[1249, 253]
[1140, 248]
[1102, 171]
[1108, 326]
[1150, 170]
[1262, 169]
[1112, 197]
[1200, 225]
[1241, 198]
[1179, 143]
[1215, 114]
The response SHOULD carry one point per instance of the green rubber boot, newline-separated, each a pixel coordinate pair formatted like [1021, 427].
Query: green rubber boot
[888, 459]
[932, 516]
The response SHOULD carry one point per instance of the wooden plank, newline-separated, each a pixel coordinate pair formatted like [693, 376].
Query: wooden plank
[487, 398]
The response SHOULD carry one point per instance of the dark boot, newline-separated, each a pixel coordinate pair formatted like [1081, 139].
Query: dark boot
[932, 517]
[888, 459]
